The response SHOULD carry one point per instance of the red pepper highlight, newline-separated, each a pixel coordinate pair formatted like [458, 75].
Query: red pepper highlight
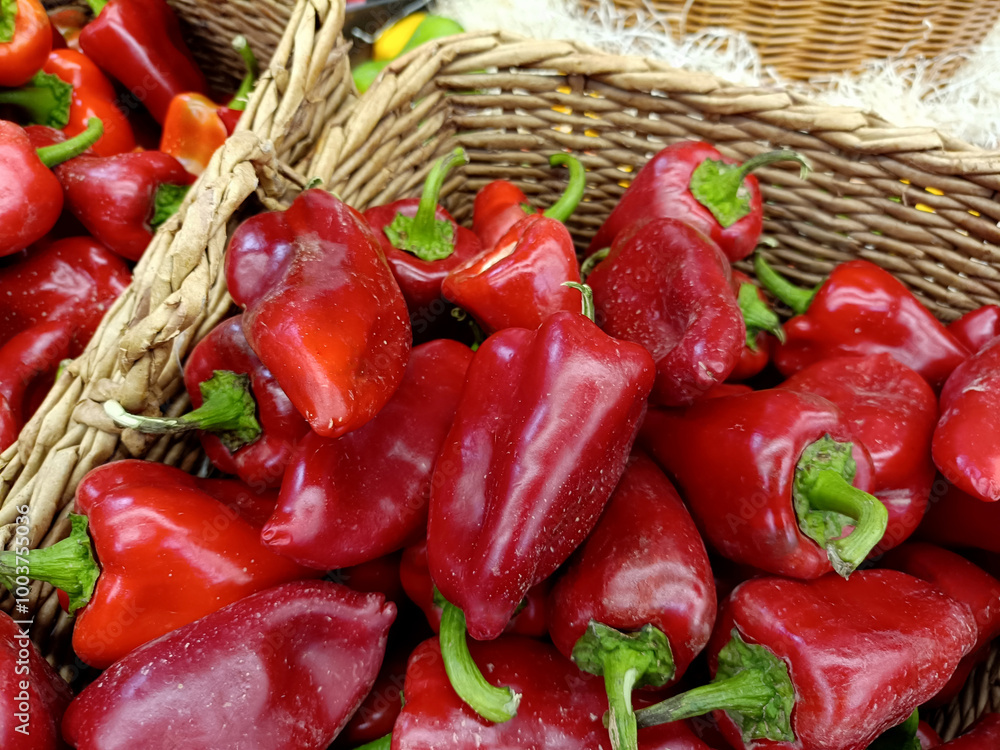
[976, 329]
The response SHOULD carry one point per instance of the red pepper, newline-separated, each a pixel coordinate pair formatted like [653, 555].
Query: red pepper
[122, 199]
[139, 43]
[666, 286]
[352, 499]
[693, 182]
[282, 669]
[927, 737]
[983, 735]
[976, 329]
[380, 575]
[768, 477]
[33, 697]
[726, 389]
[760, 320]
[32, 199]
[827, 664]
[955, 519]
[314, 280]
[376, 716]
[967, 436]
[892, 411]
[860, 309]
[636, 603]
[67, 23]
[25, 40]
[964, 582]
[74, 279]
[195, 554]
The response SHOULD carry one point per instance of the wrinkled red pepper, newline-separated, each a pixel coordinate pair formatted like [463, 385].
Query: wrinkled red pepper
[955, 519]
[773, 479]
[25, 40]
[694, 183]
[196, 553]
[139, 43]
[983, 735]
[892, 412]
[976, 329]
[760, 320]
[827, 664]
[352, 499]
[636, 602]
[667, 287]
[282, 669]
[966, 444]
[314, 280]
[860, 309]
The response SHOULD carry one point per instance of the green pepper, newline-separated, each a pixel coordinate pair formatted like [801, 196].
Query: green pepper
[432, 27]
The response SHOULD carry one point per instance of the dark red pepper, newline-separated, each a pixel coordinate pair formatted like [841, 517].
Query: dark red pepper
[314, 280]
[636, 602]
[760, 320]
[927, 737]
[860, 309]
[773, 479]
[892, 412]
[666, 286]
[693, 182]
[983, 735]
[139, 43]
[976, 329]
[283, 669]
[376, 716]
[380, 575]
[351, 499]
[955, 519]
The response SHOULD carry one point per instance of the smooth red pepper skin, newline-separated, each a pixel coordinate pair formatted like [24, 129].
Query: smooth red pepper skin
[892, 411]
[751, 361]
[24, 54]
[139, 43]
[113, 196]
[734, 461]
[955, 519]
[861, 653]
[928, 738]
[352, 499]
[93, 96]
[230, 118]
[263, 462]
[26, 678]
[862, 309]
[983, 735]
[726, 389]
[662, 189]
[498, 206]
[415, 576]
[283, 669]
[420, 280]
[521, 479]
[195, 555]
[380, 575]
[314, 280]
[376, 716]
[976, 329]
[967, 437]
[644, 563]
[519, 282]
[32, 199]
[667, 287]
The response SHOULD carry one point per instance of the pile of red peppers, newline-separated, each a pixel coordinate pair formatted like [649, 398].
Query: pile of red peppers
[469, 492]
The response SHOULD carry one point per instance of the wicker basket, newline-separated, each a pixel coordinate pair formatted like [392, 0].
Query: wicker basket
[804, 39]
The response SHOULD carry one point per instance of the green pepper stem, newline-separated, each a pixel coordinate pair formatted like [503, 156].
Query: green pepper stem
[563, 208]
[589, 264]
[47, 100]
[166, 202]
[797, 298]
[239, 100]
[57, 153]
[737, 176]
[588, 308]
[746, 691]
[382, 743]
[621, 669]
[832, 492]
[68, 565]
[758, 316]
[97, 6]
[496, 704]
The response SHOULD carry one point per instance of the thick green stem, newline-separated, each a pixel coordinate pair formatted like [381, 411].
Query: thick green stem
[746, 691]
[239, 100]
[228, 408]
[166, 202]
[423, 234]
[588, 265]
[57, 153]
[46, 99]
[563, 208]
[68, 565]
[758, 316]
[382, 743]
[794, 296]
[497, 704]
[588, 298]
[97, 6]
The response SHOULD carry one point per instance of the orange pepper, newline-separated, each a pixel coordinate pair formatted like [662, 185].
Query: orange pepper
[25, 40]
[192, 130]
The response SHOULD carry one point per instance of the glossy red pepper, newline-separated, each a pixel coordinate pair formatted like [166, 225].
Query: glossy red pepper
[25, 40]
[726, 389]
[352, 499]
[760, 320]
[282, 669]
[376, 716]
[983, 735]
[927, 737]
[194, 555]
[667, 287]
[860, 309]
[892, 412]
[122, 199]
[314, 280]
[773, 479]
[521, 281]
[976, 329]
[139, 43]
[380, 575]
[32, 199]
[33, 697]
[636, 602]
[693, 182]
[955, 519]
[827, 664]
[966, 443]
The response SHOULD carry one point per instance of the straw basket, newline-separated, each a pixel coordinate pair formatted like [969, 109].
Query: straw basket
[803, 39]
